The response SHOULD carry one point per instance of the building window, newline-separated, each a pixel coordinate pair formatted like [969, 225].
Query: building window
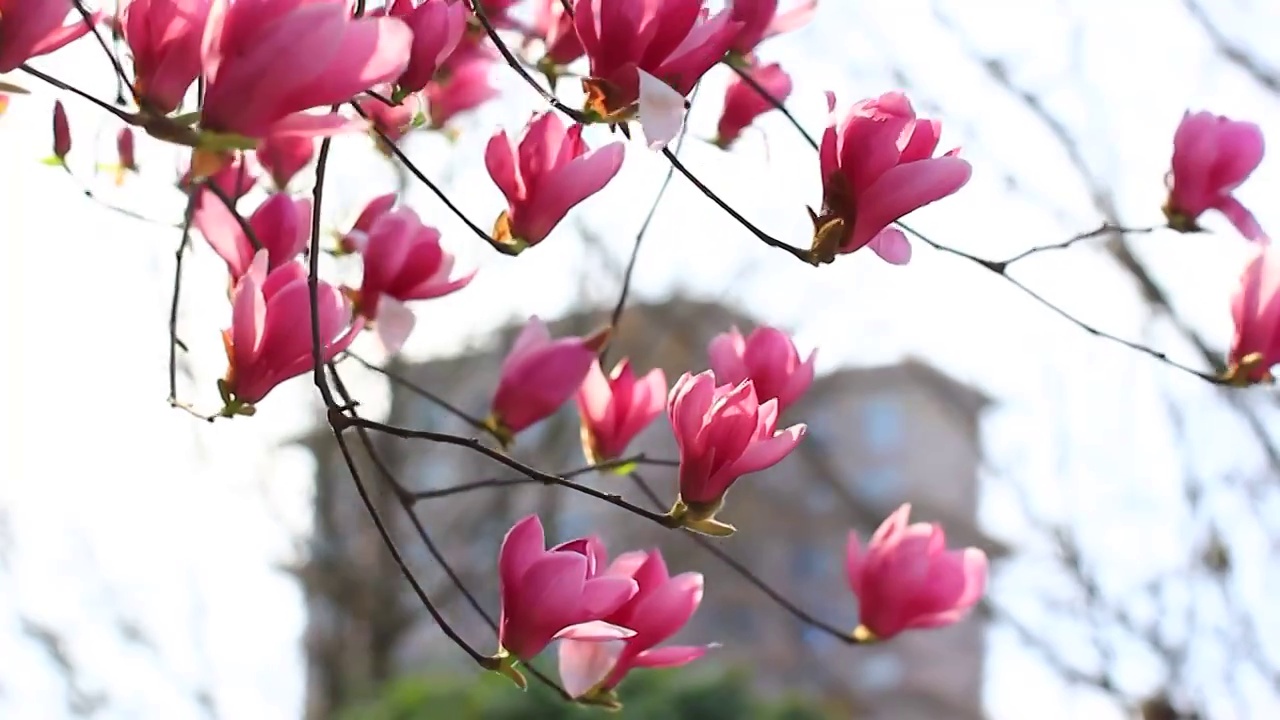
[883, 423]
[878, 485]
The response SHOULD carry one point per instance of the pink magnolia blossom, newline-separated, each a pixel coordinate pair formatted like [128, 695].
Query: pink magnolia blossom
[355, 239]
[544, 176]
[538, 376]
[663, 605]
[671, 43]
[465, 86]
[761, 20]
[743, 103]
[877, 166]
[403, 261]
[555, 28]
[235, 179]
[723, 432]
[1212, 156]
[1255, 307]
[438, 27]
[31, 28]
[556, 593]
[390, 121]
[673, 40]
[768, 358]
[164, 37]
[125, 150]
[61, 131]
[616, 408]
[284, 156]
[906, 579]
[269, 340]
[281, 223]
[268, 61]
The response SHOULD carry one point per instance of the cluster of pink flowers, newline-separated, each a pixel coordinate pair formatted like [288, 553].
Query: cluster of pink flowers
[276, 75]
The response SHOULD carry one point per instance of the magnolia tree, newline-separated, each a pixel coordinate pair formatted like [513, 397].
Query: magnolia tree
[254, 90]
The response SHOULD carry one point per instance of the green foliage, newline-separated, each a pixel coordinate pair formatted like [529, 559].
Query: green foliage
[646, 695]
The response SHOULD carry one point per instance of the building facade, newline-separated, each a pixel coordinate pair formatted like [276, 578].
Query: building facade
[877, 437]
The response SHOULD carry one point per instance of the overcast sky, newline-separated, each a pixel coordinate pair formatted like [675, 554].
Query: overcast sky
[119, 512]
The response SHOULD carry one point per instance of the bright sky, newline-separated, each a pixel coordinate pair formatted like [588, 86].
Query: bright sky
[118, 511]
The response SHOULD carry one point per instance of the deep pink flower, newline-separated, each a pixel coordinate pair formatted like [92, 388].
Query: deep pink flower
[465, 86]
[663, 605]
[877, 166]
[538, 376]
[554, 27]
[281, 223]
[284, 156]
[125, 150]
[235, 179]
[906, 579]
[403, 261]
[743, 103]
[268, 61]
[61, 131]
[1255, 307]
[768, 358]
[761, 20]
[672, 40]
[31, 28]
[556, 593]
[1212, 156]
[438, 26]
[354, 240]
[164, 37]
[269, 340]
[616, 408]
[544, 176]
[722, 433]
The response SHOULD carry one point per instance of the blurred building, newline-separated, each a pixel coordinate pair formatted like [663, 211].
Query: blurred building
[877, 437]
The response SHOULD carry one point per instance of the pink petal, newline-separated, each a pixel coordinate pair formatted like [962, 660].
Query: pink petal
[595, 630]
[767, 453]
[892, 246]
[669, 657]
[395, 323]
[904, 188]
[661, 111]
[585, 664]
[524, 543]
[1242, 219]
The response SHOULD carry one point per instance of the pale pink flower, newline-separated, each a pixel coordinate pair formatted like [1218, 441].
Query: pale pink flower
[556, 593]
[31, 28]
[1212, 156]
[761, 20]
[1255, 307]
[284, 156]
[768, 358]
[722, 433]
[544, 176]
[164, 38]
[391, 121]
[539, 375]
[438, 27]
[281, 224]
[403, 261]
[743, 103]
[465, 86]
[554, 27]
[662, 606]
[235, 179]
[906, 579]
[877, 166]
[269, 340]
[616, 408]
[268, 61]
